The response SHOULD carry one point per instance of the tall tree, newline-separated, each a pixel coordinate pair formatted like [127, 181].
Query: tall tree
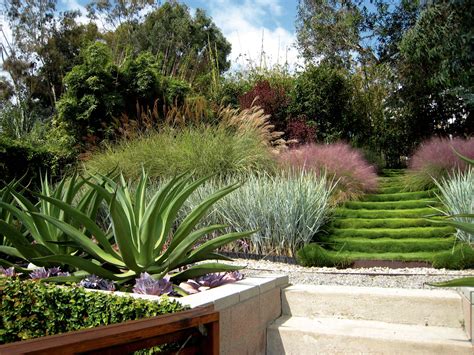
[188, 46]
[436, 70]
[345, 32]
[30, 21]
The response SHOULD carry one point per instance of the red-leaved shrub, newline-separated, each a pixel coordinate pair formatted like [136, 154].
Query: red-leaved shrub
[435, 158]
[298, 129]
[340, 161]
[272, 99]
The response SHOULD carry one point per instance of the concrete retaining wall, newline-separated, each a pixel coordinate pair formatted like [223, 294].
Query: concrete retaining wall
[246, 308]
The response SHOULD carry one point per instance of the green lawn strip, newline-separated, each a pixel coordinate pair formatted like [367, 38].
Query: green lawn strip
[392, 205]
[418, 232]
[418, 256]
[381, 222]
[389, 245]
[400, 196]
[405, 213]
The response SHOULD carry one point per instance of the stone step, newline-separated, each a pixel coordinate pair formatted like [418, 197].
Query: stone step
[301, 335]
[441, 308]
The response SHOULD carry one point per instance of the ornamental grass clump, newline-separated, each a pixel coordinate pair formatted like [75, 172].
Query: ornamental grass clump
[286, 210]
[239, 143]
[457, 195]
[339, 162]
[435, 159]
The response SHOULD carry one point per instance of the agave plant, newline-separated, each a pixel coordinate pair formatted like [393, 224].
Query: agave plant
[5, 215]
[38, 237]
[144, 232]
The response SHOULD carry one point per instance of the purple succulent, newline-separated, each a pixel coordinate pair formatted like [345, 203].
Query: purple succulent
[40, 273]
[210, 280]
[232, 276]
[10, 272]
[97, 283]
[54, 270]
[147, 285]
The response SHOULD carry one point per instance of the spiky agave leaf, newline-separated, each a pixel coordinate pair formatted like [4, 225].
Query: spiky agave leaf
[141, 229]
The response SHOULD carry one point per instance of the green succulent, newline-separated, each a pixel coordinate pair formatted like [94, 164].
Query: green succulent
[145, 237]
[28, 236]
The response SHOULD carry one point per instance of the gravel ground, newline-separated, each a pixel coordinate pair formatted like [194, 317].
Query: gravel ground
[368, 277]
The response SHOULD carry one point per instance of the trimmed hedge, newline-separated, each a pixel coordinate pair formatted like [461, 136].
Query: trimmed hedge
[18, 158]
[31, 309]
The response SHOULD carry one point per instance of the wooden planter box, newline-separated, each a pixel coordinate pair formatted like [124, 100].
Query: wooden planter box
[201, 323]
[230, 319]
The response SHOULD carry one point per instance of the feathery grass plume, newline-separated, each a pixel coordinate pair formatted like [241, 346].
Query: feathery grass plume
[194, 110]
[339, 161]
[287, 210]
[203, 149]
[435, 158]
[457, 195]
[252, 120]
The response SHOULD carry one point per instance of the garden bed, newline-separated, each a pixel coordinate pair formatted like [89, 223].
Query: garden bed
[245, 309]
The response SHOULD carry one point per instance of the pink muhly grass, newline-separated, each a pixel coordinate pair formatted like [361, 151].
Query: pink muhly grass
[340, 161]
[435, 158]
[438, 153]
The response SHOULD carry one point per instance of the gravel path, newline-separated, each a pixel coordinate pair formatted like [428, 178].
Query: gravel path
[368, 277]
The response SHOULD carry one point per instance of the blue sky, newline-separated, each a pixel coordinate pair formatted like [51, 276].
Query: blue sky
[243, 23]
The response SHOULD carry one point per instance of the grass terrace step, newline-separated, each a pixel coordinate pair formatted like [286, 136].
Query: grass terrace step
[417, 232]
[404, 213]
[390, 225]
[381, 222]
[392, 205]
[386, 245]
[399, 196]
[390, 189]
[418, 256]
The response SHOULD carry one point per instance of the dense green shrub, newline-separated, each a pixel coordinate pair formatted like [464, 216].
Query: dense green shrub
[460, 258]
[285, 210]
[31, 309]
[323, 95]
[99, 92]
[314, 255]
[203, 150]
[18, 158]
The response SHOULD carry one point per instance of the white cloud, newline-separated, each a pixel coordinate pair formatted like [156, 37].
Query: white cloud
[243, 26]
